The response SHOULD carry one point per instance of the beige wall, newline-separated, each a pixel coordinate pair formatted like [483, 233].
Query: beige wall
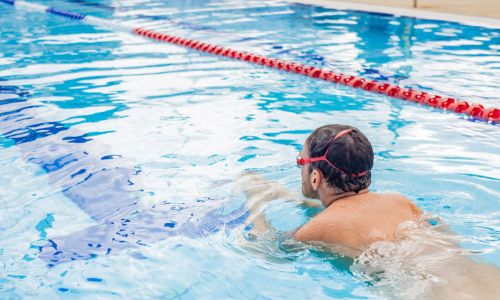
[480, 8]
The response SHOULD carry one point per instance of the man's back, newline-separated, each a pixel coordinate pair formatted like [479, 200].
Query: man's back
[359, 220]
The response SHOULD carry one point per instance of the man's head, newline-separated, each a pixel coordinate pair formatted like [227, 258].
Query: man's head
[339, 156]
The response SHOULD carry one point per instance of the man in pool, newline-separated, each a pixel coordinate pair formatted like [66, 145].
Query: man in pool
[383, 231]
[336, 163]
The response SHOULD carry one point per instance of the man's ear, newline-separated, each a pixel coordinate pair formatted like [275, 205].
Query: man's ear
[315, 179]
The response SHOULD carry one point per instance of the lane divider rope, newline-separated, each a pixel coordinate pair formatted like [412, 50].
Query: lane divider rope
[476, 111]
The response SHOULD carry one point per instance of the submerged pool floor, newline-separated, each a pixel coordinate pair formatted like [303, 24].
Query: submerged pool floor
[118, 155]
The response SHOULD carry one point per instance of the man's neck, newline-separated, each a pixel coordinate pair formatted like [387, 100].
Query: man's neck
[333, 197]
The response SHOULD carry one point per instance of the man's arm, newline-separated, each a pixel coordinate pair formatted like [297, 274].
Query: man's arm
[258, 191]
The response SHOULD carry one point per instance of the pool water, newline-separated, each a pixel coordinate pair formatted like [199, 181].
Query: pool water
[118, 155]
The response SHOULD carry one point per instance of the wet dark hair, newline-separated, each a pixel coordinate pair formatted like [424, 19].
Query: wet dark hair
[352, 153]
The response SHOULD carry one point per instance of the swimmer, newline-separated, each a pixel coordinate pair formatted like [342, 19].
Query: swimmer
[386, 234]
[336, 163]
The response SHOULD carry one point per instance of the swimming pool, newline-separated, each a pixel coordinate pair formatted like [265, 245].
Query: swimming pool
[111, 138]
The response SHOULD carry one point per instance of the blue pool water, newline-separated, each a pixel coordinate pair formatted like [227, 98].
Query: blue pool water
[118, 155]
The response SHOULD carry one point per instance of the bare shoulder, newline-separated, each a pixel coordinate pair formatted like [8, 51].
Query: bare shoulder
[321, 228]
[351, 222]
[310, 231]
[331, 232]
[393, 196]
[403, 201]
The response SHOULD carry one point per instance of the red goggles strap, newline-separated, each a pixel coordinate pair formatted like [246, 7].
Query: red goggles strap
[303, 161]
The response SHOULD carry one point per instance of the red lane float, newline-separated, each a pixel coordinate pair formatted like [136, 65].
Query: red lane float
[476, 111]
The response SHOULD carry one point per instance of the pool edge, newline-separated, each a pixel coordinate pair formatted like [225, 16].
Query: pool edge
[407, 12]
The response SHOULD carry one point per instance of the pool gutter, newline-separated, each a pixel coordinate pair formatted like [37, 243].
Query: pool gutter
[407, 12]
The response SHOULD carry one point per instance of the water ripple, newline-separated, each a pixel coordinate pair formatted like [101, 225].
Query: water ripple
[118, 153]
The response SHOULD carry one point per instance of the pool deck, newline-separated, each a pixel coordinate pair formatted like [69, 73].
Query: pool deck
[484, 13]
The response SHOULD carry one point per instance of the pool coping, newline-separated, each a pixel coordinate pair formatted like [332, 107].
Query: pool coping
[407, 12]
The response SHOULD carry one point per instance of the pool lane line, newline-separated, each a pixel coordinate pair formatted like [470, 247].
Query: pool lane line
[475, 111]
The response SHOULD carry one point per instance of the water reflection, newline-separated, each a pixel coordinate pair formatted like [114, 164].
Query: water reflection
[146, 139]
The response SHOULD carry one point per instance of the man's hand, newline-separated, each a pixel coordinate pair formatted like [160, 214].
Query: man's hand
[258, 191]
